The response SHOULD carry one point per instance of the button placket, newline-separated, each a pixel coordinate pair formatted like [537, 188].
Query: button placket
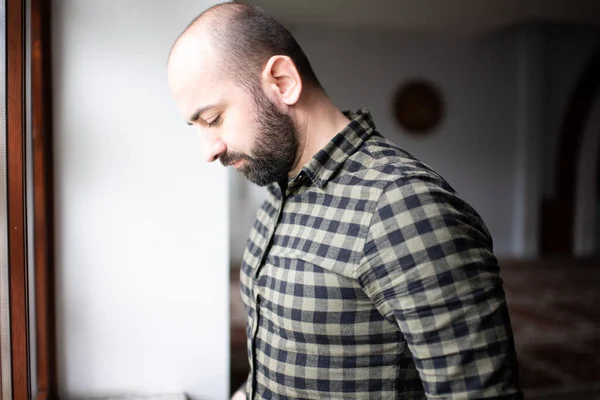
[256, 295]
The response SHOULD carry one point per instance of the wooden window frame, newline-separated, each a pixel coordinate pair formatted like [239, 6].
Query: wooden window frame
[42, 250]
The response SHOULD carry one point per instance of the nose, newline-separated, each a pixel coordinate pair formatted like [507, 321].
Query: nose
[212, 146]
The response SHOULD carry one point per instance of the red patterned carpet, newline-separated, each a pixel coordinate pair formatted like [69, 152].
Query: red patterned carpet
[555, 310]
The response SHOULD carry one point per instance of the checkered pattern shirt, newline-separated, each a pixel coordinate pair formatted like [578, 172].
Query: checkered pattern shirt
[368, 277]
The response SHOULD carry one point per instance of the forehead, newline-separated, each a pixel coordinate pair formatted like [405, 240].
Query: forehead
[195, 73]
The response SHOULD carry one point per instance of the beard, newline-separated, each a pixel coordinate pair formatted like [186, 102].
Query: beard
[275, 148]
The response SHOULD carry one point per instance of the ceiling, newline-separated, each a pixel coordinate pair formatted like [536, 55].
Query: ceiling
[431, 16]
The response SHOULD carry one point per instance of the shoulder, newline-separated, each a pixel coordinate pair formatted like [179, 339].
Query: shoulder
[409, 191]
[382, 164]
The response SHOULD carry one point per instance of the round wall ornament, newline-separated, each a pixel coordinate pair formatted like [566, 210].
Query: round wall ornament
[418, 106]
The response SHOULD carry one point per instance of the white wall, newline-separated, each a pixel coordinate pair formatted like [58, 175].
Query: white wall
[530, 137]
[475, 147]
[142, 226]
[5, 392]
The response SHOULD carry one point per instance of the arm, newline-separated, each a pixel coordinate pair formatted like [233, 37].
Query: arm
[428, 266]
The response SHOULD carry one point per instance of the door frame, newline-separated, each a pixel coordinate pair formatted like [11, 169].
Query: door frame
[584, 240]
[557, 225]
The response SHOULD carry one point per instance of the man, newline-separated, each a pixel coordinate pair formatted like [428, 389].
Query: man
[365, 275]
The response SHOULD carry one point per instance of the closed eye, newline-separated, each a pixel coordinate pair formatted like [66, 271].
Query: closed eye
[215, 121]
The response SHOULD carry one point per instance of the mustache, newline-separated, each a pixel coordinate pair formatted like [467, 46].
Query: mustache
[228, 159]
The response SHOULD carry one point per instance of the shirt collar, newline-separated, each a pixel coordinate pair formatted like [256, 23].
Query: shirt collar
[321, 168]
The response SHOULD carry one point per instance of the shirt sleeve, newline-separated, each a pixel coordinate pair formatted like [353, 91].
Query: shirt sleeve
[428, 266]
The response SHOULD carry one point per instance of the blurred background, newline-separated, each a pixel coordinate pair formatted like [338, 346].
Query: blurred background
[502, 98]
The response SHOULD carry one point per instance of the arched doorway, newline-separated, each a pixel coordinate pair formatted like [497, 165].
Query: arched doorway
[586, 198]
[597, 246]
[560, 213]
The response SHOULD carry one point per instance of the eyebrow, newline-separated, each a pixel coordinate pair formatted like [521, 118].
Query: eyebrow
[199, 111]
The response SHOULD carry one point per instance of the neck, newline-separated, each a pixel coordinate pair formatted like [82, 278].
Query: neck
[319, 121]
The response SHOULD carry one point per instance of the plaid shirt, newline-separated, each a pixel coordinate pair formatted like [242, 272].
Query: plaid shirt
[368, 277]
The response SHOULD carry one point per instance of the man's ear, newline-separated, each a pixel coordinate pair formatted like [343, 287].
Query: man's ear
[281, 80]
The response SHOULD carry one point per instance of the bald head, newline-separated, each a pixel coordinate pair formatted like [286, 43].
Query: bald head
[243, 38]
[219, 14]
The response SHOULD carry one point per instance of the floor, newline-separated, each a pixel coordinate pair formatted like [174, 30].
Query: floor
[555, 311]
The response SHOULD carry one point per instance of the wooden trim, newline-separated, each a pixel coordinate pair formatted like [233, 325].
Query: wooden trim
[43, 224]
[17, 241]
[558, 213]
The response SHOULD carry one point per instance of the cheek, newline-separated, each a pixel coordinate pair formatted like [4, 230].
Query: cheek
[240, 129]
